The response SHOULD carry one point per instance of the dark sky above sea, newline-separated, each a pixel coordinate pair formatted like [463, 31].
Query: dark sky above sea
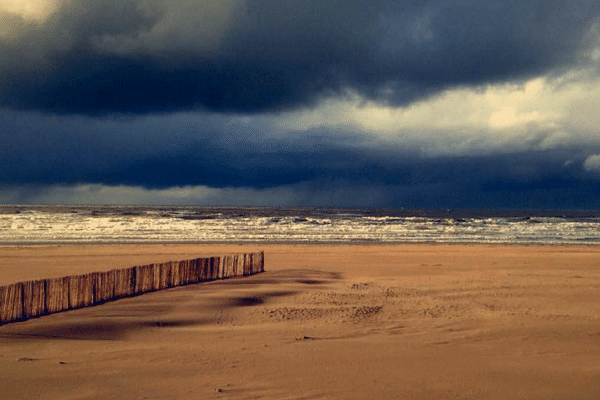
[475, 104]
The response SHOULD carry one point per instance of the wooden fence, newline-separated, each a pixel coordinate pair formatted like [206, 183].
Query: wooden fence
[24, 300]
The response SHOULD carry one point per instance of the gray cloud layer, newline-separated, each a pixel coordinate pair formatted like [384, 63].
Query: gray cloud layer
[74, 87]
[237, 164]
[148, 56]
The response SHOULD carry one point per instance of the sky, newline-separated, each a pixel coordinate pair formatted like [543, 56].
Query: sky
[387, 103]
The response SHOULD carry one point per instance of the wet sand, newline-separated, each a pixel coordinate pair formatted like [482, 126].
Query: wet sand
[324, 322]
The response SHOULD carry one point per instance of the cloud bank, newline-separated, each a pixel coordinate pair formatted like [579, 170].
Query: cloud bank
[210, 159]
[446, 104]
[147, 56]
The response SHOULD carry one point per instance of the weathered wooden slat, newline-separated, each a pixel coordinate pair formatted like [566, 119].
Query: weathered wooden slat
[184, 272]
[222, 267]
[248, 264]
[234, 262]
[255, 262]
[204, 272]
[227, 263]
[34, 298]
[164, 280]
[193, 272]
[174, 277]
[104, 286]
[81, 290]
[124, 282]
[156, 276]
[144, 278]
[196, 266]
[11, 303]
[233, 265]
[208, 274]
[238, 261]
[214, 267]
[57, 294]
[262, 262]
[243, 264]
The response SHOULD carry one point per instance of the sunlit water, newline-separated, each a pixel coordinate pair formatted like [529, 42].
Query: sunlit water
[27, 225]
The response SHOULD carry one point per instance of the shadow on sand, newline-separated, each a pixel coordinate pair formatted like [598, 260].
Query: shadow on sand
[116, 320]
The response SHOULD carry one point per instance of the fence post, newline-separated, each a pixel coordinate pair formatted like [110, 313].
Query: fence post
[34, 298]
[144, 278]
[204, 273]
[81, 290]
[11, 302]
[174, 276]
[104, 286]
[227, 262]
[184, 272]
[194, 270]
[214, 263]
[125, 282]
[57, 294]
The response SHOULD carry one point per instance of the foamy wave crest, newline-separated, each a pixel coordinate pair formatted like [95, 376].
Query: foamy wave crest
[24, 225]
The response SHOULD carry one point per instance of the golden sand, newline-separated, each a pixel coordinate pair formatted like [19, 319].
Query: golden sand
[324, 322]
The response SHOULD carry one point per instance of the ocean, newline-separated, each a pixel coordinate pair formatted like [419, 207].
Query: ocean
[59, 225]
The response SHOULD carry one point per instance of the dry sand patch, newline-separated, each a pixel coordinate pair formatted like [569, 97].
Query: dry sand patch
[333, 322]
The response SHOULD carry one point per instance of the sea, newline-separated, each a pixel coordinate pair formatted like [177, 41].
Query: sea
[22, 225]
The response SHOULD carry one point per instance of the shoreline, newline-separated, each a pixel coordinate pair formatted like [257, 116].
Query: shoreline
[270, 226]
[294, 243]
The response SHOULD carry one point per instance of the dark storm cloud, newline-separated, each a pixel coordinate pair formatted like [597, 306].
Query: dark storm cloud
[313, 167]
[145, 56]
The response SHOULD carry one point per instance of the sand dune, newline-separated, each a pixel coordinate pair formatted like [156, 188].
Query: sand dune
[324, 322]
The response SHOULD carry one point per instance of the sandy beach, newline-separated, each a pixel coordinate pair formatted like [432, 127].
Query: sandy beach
[323, 322]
